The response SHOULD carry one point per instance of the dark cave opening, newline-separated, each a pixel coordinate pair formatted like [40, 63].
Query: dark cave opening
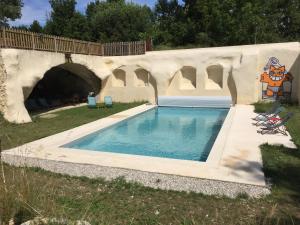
[62, 86]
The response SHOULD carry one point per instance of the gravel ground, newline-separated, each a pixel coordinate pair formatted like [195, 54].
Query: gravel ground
[154, 180]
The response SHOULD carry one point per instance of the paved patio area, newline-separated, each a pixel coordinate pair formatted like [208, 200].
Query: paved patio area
[234, 165]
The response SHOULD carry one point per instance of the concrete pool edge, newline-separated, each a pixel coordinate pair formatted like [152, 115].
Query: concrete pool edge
[217, 149]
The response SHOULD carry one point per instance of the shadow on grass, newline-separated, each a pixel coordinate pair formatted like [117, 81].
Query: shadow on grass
[22, 215]
[282, 168]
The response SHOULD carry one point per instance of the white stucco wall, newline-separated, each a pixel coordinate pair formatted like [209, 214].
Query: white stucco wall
[130, 88]
[182, 84]
[242, 66]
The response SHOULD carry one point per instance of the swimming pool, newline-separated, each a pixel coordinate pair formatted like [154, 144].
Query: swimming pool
[168, 132]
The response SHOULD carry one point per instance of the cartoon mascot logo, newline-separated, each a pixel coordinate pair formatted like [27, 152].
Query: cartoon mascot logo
[275, 75]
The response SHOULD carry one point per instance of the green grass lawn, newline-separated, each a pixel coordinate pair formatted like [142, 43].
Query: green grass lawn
[25, 192]
[282, 165]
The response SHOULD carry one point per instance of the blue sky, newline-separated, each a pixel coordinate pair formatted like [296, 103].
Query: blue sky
[40, 9]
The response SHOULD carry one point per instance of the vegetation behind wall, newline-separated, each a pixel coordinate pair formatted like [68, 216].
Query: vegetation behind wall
[172, 24]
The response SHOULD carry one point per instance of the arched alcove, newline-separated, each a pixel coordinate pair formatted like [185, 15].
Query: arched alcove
[188, 78]
[214, 77]
[137, 85]
[141, 78]
[184, 82]
[60, 86]
[119, 78]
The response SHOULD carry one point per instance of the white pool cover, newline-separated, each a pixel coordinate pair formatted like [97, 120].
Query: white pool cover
[195, 101]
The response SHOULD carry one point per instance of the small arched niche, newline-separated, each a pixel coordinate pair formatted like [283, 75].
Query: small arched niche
[214, 77]
[141, 78]
[119, 78]
[188, 78]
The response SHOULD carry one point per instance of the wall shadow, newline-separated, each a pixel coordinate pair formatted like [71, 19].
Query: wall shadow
[232, 87]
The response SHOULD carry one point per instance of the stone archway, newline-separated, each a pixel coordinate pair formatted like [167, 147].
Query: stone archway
[62, 85]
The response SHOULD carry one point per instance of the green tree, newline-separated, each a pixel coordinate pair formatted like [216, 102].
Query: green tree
[66, 21]
[117, 20]
[20, 27]
[172, 27]
[9, 10]
[288, 19]
[232, 22]
[193, 22]
[36, 27]
[235, 22]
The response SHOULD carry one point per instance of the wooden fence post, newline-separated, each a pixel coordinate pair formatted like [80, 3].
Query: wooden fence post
[55, 45]
[32, 39]
[102, 49]
[4, 37]
[129, 48]
[145, 46]
[74, 50]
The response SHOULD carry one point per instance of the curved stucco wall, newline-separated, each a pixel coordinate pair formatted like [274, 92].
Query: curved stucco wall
[241, 66]
[125, 84]
[190, 81]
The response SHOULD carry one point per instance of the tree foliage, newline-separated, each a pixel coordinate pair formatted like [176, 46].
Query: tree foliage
[9, 10]
[36, 27]
[232, 22]
[116, 20]
[66, 21]
[172, 27]
[191, 22]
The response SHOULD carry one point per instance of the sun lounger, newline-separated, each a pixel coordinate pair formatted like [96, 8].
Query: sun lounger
[263, 119]
[271, 111]
[32, 105]
[278, 127]
[43, 103]
[55, 103]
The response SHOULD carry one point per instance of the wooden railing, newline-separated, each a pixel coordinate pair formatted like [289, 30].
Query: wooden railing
[124, 48]
[21, 39]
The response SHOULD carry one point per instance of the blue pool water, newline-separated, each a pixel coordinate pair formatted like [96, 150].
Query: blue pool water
[178, 133]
